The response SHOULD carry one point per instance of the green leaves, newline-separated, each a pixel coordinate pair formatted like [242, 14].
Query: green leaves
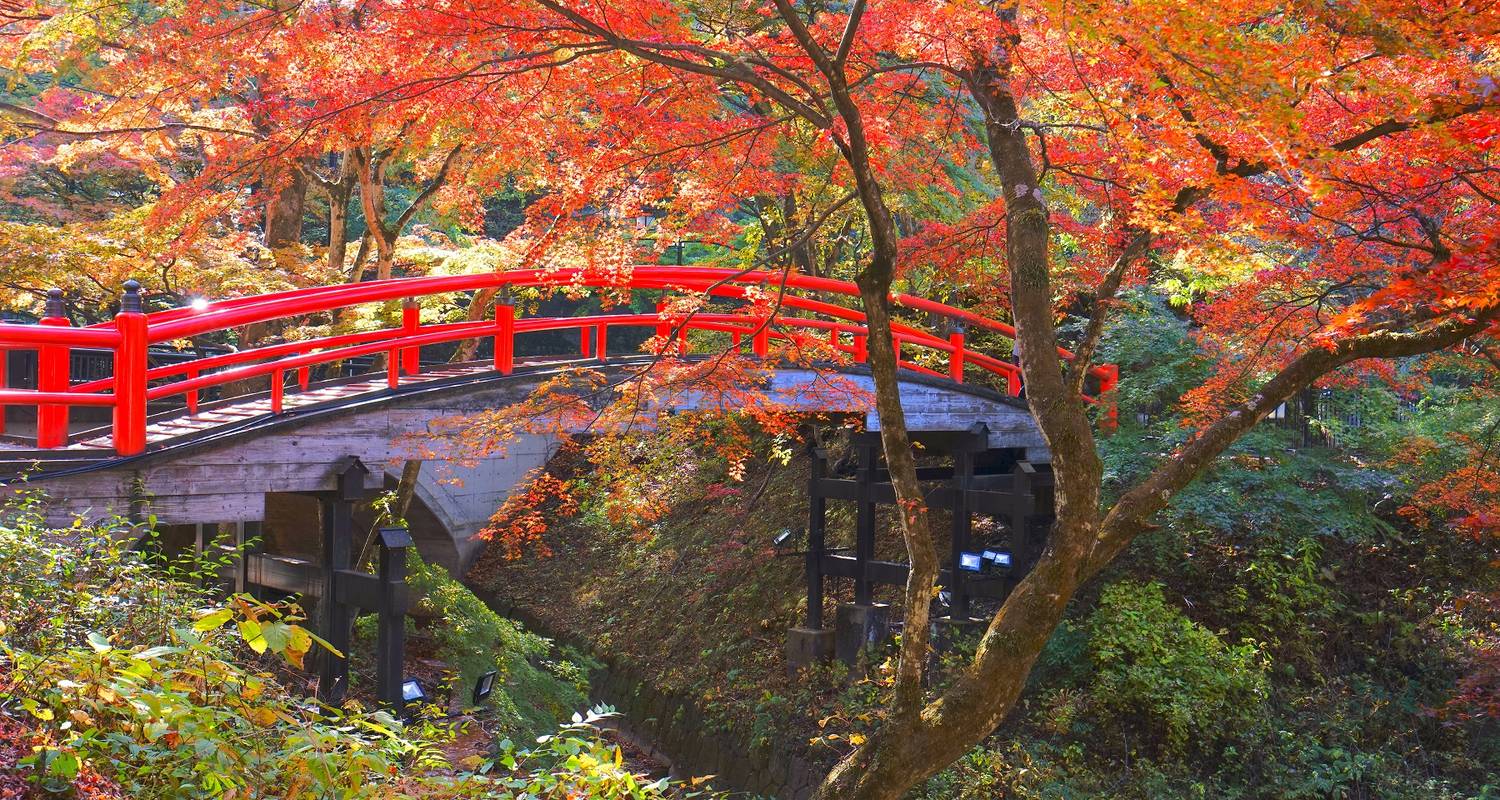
[212, 620]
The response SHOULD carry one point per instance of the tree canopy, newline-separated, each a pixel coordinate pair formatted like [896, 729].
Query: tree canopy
[1311, 186]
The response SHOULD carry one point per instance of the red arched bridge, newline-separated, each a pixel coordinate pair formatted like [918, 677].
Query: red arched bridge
[171, 450]
[134, 384]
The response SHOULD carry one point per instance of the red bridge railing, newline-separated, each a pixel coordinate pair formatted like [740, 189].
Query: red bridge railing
[134, 384]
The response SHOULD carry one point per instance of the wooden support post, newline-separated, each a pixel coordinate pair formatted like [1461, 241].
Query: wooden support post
[963, 472]
[202, 540]
[334, 612]
[390, 637]
[1023, 506]
[334, 617]
[817, 523]
[864, 524]
[248, 541]
[411, 324]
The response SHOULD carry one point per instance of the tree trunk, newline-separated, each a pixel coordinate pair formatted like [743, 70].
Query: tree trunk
[338, 226]
[903, 753]
[284, 211]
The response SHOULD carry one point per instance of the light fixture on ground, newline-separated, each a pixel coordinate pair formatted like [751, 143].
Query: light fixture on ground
[999, 558]
[970, 562]
[484, 686]
[412, 691]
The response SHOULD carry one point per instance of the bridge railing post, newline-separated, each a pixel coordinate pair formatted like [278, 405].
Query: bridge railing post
[130, 373]
[956, 358]
[191, 395]
[1108, 382]
[601, 341]
[52, 374]
[861, 348]
[663, 326]
[760, 343]
[505, 333]
[411, 324]
[4, 381]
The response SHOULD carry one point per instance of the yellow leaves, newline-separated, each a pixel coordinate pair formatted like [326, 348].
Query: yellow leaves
[262, 715]
[213, 619]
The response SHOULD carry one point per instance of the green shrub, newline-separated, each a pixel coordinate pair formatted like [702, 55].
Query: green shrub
[536, 687]
[117, 665]
[118, 677]
[1165, 675]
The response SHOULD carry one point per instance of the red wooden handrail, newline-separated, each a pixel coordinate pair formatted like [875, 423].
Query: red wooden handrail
[134, 384]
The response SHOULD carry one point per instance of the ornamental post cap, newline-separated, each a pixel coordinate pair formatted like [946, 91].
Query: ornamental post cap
[55, 307]
[131, 302]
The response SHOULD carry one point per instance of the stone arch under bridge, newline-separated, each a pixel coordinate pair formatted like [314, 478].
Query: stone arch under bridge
[240, 461]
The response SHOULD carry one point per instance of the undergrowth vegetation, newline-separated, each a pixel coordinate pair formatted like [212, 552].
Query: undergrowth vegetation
[124, 677]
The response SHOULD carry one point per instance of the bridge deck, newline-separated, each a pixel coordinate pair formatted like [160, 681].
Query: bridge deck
[167, 428]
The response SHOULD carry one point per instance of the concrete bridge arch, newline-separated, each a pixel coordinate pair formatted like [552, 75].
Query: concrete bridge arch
[236, 461]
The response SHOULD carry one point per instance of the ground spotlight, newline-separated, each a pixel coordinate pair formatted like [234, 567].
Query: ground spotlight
[412, 691]
[999, 558]
[484, 686]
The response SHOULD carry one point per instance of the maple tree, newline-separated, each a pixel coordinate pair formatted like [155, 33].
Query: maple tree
[1317, 182]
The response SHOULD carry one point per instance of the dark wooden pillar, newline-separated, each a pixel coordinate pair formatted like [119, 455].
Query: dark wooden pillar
[334, 617]
[864, 524]
[1024, 545]
[335, 613]
[248, 540]
[390, 638]
[963, 474]
[817, 521]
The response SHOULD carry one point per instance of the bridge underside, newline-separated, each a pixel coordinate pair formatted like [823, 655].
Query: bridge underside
[222, 464]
